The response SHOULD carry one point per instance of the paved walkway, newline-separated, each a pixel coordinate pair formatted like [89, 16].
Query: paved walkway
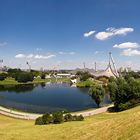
[30, 116]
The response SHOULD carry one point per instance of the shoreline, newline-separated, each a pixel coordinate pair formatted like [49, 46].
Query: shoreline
[12, 81]
[33, 116]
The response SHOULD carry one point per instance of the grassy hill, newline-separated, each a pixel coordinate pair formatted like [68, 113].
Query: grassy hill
[107, 126]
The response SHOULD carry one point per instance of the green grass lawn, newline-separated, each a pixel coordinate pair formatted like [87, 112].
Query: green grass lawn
[107, 126]
[12, 81]
[87, 83]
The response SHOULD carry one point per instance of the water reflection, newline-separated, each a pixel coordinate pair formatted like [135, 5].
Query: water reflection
[46, 97]
[17, 88]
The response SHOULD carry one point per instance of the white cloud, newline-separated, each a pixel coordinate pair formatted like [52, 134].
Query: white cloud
[126, 45]
[113, 32]
[30, 56]
[2, 44]
[89, 33]
[103, 35]
[37, 56]
[44, 56]
[130, 52]
[20, 56]
[65, 53]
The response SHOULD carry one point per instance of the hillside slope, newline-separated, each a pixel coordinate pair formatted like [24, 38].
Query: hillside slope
[107, 126]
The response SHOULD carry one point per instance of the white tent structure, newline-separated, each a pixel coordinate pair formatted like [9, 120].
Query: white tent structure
[108, 72]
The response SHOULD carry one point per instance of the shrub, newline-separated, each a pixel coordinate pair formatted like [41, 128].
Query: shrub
[78, 118]
[58, 117]
[68, 117]
[39, 121]
[47, 118]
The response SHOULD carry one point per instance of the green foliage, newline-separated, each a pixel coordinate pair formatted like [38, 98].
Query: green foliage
[39, 121]
[68, 117]
[3, 76]
[97, 93]
[87, 83]
[47, 118]
[43, 76]
[13, 72]
[132, 74]
[24, 77]
[83, 75]
[58, 117]
[78, 118]
[124, 92]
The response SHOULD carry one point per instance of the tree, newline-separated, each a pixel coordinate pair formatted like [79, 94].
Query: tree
[3, 76]
[13, 72]
[83, 75]
[97, 92]
[124, 93]
[24, 77]
[43, 76]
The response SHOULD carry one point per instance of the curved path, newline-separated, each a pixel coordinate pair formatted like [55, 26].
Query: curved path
[31, 116]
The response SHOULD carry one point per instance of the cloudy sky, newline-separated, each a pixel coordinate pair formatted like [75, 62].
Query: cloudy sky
[59, 34]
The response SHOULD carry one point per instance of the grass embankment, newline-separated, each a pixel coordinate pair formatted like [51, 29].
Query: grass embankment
[12, 81]
[87, 83]
[107, 126]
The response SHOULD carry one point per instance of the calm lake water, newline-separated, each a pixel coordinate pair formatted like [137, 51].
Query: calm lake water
[47, 98]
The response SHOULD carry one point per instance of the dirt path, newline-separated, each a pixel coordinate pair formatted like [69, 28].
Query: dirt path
[30, 116]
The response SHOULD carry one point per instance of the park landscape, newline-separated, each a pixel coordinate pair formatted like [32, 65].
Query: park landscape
[69, 70]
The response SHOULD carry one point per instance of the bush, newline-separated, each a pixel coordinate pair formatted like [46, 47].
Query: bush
[78, 118]
[47, 118]
[39, 121]
[3, 76]
[68, 117]
[58, 117]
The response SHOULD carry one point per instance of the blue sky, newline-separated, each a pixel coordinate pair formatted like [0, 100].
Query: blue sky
[65, 33]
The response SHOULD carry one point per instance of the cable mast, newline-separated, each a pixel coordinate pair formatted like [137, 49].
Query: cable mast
[29, 66]
[95, 66]
[114, 66]
[1, 64]
[84, 65]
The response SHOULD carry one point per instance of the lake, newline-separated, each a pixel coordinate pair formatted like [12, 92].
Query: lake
[47, 97]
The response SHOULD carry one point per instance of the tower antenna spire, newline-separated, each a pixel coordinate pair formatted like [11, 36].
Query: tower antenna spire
[28, 66]
[95, 66]
[114, 66]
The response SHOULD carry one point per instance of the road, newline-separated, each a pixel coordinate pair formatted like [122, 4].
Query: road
[31, 116]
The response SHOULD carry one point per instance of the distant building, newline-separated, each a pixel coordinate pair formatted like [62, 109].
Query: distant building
[108, 72]
[64, 75]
